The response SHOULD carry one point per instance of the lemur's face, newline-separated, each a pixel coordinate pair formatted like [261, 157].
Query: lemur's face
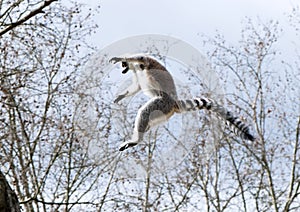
[139, 62]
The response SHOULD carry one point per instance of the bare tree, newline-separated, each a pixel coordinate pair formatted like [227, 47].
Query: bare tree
[42, 48]
[60, 130]
[222, 172]
[14, 14]
[264, 173]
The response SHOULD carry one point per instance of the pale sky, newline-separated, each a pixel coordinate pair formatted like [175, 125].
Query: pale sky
[188, 19]
[183, 19]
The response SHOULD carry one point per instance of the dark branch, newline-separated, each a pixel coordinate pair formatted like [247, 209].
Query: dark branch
[27, 17]
[34, 199]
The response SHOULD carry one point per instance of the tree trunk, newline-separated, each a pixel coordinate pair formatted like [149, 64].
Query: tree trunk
[8, 199]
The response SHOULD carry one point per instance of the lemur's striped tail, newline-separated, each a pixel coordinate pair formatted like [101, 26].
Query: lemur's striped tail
[236, 125]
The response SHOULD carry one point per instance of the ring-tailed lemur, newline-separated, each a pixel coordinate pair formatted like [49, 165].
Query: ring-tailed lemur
[156, 82]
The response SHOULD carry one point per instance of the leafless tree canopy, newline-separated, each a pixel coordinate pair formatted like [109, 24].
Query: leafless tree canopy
[52, 121]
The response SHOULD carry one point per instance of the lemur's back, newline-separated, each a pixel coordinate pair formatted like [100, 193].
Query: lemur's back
[160, 78]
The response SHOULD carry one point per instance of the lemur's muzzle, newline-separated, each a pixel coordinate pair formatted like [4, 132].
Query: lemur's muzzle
[125, 65]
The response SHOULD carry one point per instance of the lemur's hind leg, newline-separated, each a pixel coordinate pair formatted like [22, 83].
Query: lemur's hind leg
[155, 111]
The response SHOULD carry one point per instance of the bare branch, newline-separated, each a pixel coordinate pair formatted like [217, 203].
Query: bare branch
[27, 17]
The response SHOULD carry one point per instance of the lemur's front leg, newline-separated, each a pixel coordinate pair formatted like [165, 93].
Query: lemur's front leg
[131, 90]
[134, 87]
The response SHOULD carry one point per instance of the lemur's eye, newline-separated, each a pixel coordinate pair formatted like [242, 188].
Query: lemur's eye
[141, 58]
[142, 66]
[124, 64]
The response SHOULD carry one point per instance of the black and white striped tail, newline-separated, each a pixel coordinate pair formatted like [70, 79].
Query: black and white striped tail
[236, 125]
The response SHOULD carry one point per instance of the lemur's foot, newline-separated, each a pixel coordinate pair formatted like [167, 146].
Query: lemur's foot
[127, 145]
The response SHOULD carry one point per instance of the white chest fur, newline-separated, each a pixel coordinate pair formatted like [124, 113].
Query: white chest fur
[145, 82]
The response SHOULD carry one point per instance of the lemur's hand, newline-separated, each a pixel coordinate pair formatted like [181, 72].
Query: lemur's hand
[119, 98]
[115, 60]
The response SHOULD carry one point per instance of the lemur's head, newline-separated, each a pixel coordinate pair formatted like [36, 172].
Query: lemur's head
[134, 62]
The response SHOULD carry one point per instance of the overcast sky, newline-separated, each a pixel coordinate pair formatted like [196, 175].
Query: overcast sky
[183, 19]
